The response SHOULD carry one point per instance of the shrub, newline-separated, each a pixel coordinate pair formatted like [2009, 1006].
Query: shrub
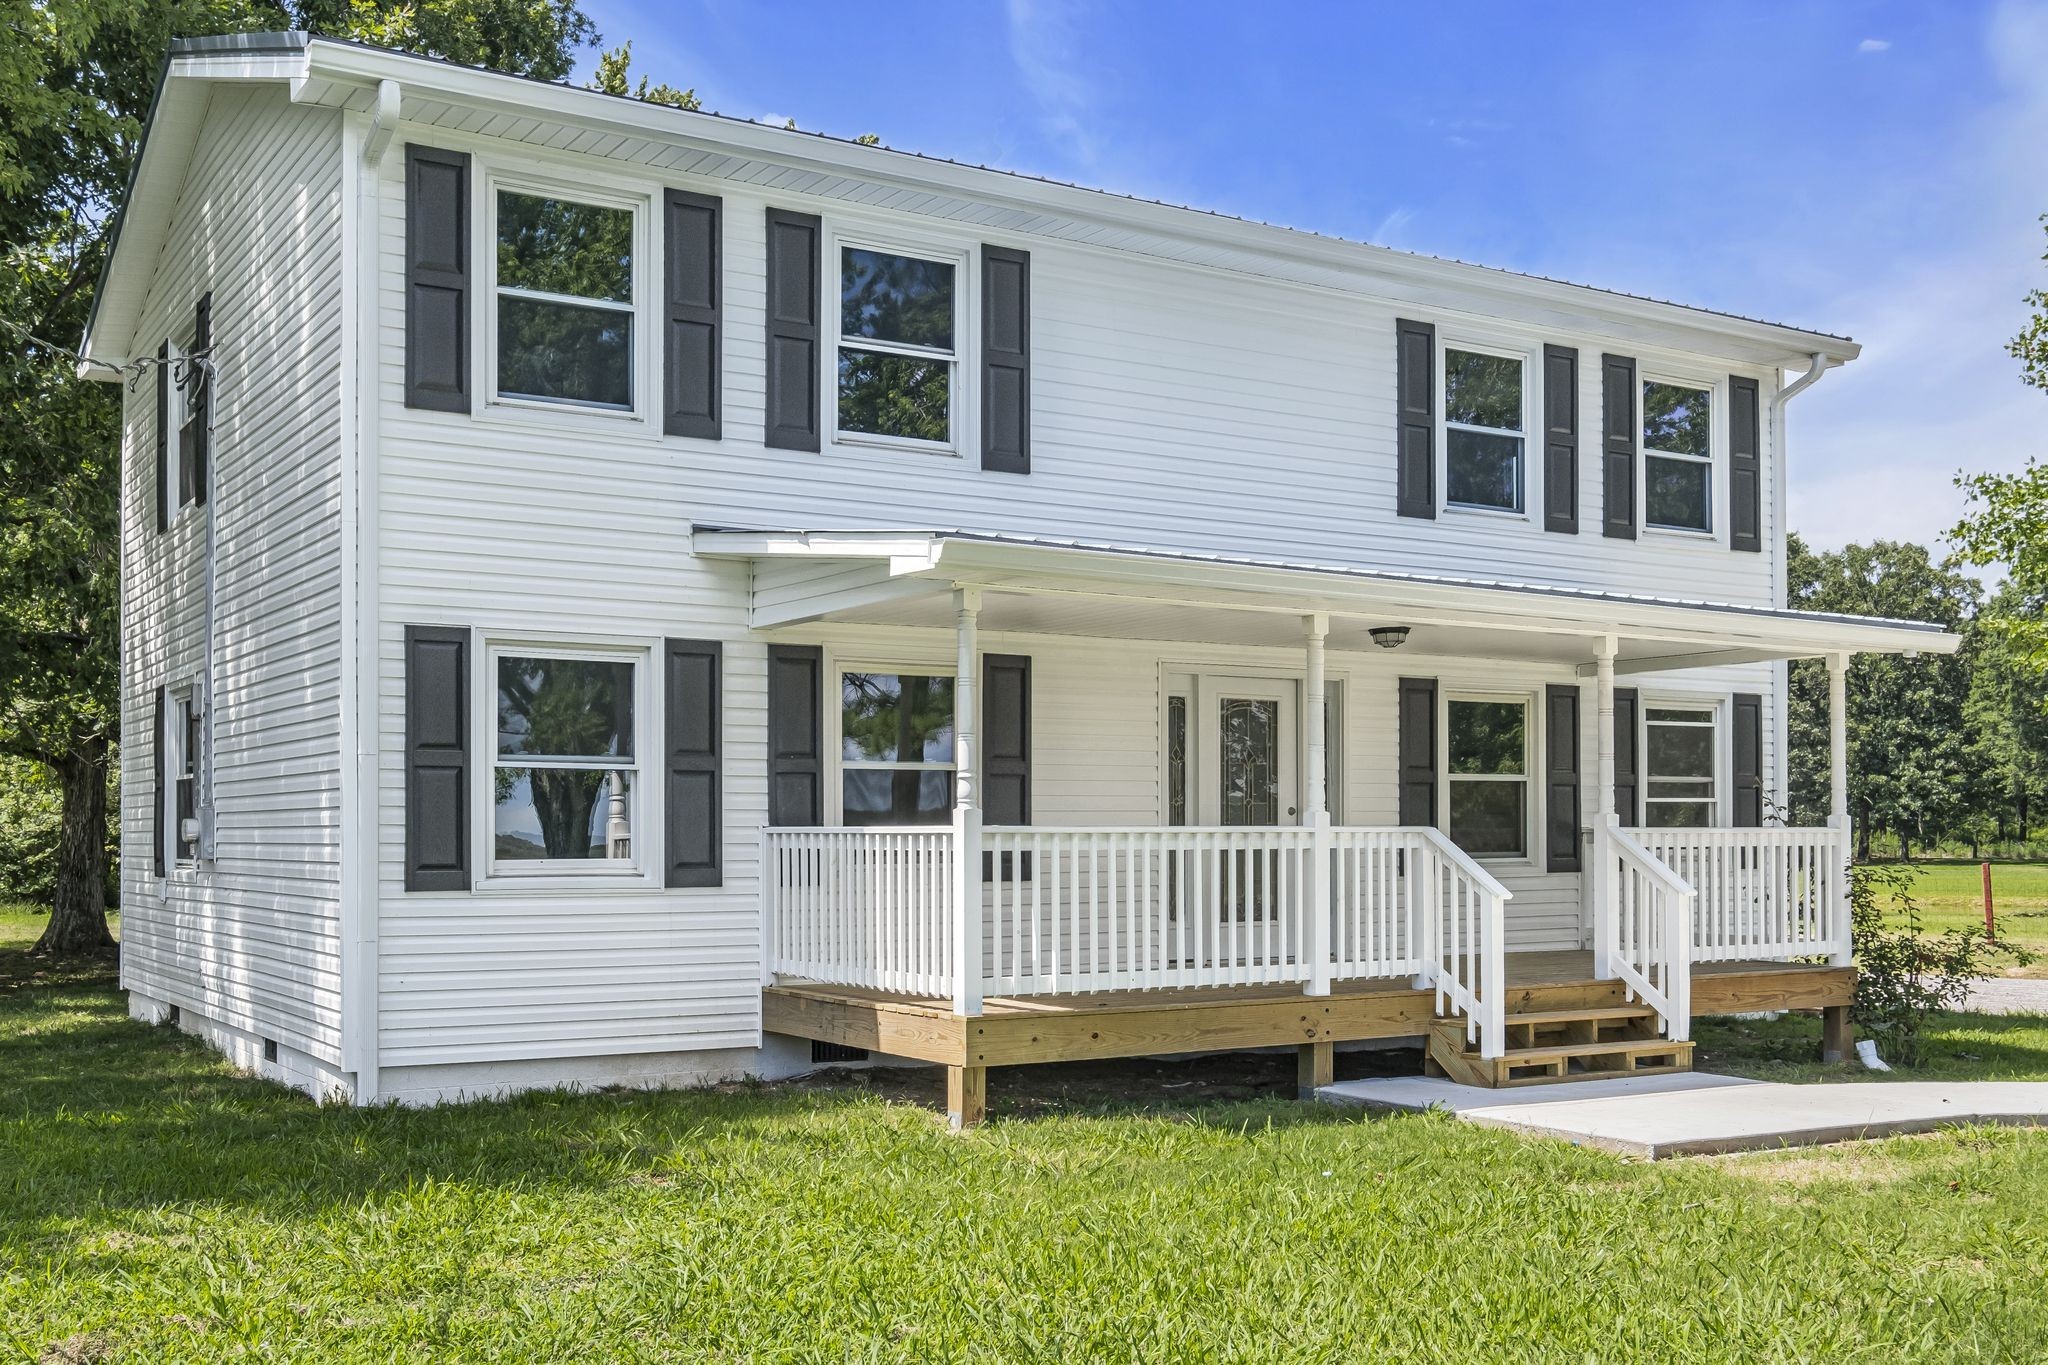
[1903, 973]
[31, 818]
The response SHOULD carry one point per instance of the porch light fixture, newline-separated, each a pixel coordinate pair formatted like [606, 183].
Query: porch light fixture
[1389, 637]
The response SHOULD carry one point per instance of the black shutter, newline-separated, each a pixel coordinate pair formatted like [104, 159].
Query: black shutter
[1745, 466]
[1415, 413]
[436, 758]
[1618, 446]
[1005, 749]
[1561, 777]
[157, 789]
[1005, 360]
[436, 279]
[1418, 751]
[1628, 767]
[794, 299]
[1561, 441]
[695, 835]
[1749, 760]
[796, 769]
[196, 451]
[693, 290]
[163, 438]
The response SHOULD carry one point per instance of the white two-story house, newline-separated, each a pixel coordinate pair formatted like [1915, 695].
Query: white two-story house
[620, 595]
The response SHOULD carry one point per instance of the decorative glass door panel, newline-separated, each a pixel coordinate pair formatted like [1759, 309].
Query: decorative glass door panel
[1246, 759]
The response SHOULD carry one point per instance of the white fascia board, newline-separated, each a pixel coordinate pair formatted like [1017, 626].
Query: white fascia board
[1195, 581]
[1379, 272]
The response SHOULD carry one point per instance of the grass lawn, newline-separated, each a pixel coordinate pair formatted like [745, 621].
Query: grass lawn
[155, 1206]
[1951, 896]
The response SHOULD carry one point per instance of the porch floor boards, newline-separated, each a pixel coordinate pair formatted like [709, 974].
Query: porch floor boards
[1018, 1030]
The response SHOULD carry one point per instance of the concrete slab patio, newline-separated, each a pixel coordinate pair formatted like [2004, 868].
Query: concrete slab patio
[1696, 1113]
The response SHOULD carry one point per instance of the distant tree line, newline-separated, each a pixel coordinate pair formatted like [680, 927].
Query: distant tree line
[1942, 748]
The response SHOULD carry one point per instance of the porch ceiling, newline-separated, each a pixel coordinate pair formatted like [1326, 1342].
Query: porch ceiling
[906, 578]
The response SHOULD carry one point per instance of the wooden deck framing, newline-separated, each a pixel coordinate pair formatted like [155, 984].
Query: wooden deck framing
[1021, 1031]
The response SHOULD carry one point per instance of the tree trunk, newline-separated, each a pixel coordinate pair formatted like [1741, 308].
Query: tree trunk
[1863, 837]
[78, 913]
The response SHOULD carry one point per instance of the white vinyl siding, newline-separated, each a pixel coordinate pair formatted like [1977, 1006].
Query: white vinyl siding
[251, 940]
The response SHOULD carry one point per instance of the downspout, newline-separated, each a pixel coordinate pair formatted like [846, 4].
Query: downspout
[1818, 364]
[210, 376]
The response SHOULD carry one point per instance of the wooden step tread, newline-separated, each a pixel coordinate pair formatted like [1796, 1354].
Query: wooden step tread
[1519, 1056]
[1573, 1016]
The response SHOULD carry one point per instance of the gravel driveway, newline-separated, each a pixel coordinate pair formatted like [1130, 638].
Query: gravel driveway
[2008, 995]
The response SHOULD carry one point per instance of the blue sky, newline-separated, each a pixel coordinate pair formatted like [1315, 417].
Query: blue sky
[1875, 169]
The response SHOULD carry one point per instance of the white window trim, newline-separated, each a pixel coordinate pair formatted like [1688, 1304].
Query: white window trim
[1532, 745]
[643, 870]
[963, 390]
[1717, 445]
[643, 414]
[183, 702]
[835, 726]
[1715, 706]
[1528, 480]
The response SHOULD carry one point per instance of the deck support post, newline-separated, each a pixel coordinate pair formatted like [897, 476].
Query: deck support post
[966, 1097]
[1316, 941]
[1315, 1067]
[1837, 1034]
[966, 883]
[1604, 815]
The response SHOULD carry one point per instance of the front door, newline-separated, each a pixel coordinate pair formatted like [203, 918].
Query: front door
[1248, 778]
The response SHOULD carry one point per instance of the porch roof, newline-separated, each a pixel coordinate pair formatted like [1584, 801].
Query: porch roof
[1068, 587]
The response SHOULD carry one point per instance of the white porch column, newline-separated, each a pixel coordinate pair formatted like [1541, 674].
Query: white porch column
[1604, 815]
[1316, 815]
[966, 805]
[1838, 741]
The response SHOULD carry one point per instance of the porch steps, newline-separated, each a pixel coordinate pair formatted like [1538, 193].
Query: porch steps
[1559, 1045]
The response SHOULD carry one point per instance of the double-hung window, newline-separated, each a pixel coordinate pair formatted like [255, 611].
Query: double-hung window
[1483, 430]
[896, 748]
[181, 740]
[1678, 456]
[1488, 772]
[897, 357]
[1679, 751]
[565, 294]
[565, 759]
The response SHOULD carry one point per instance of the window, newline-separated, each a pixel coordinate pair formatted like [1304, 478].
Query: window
[1678, 449]
[896, 748]
[1482, 430]
[1488, 768]
[181, 742]
[565, 300]
[897, 362]
[565, 760]
[1679, 750]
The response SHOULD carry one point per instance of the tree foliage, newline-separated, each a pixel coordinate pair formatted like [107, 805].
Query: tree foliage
[76, 81]
[2030, 346]
[613, 77]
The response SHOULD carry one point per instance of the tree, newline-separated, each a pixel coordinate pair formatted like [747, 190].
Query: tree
[2030, 347]
[613, 72]
[2007, 524]
[2008, 711]
[75, 86]
[1908, 733]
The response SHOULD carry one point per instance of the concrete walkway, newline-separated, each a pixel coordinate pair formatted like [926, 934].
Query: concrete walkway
[2008, 995]
[1693, 1113]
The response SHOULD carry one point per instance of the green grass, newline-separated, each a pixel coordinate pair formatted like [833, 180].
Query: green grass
[1951, 896]
[154, 1206]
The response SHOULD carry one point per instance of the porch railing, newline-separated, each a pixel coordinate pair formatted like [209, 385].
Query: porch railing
[1761, 893]
[1647, 925]
[1072, 911]
[859, 907]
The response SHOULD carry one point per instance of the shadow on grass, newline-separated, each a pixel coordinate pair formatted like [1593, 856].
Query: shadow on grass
[100, 1112]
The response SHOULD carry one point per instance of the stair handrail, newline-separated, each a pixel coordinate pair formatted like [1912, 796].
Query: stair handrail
[1485, 1000]
[1671, 993]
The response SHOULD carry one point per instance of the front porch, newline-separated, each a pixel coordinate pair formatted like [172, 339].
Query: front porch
[1239, 711]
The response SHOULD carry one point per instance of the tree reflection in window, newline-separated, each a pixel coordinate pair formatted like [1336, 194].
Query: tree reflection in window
[896, 351]
[896, 748]
[565, 763]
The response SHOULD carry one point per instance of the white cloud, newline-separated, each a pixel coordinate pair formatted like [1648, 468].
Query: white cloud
[1874, 45]
[1045, 47]
[1875, 447]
